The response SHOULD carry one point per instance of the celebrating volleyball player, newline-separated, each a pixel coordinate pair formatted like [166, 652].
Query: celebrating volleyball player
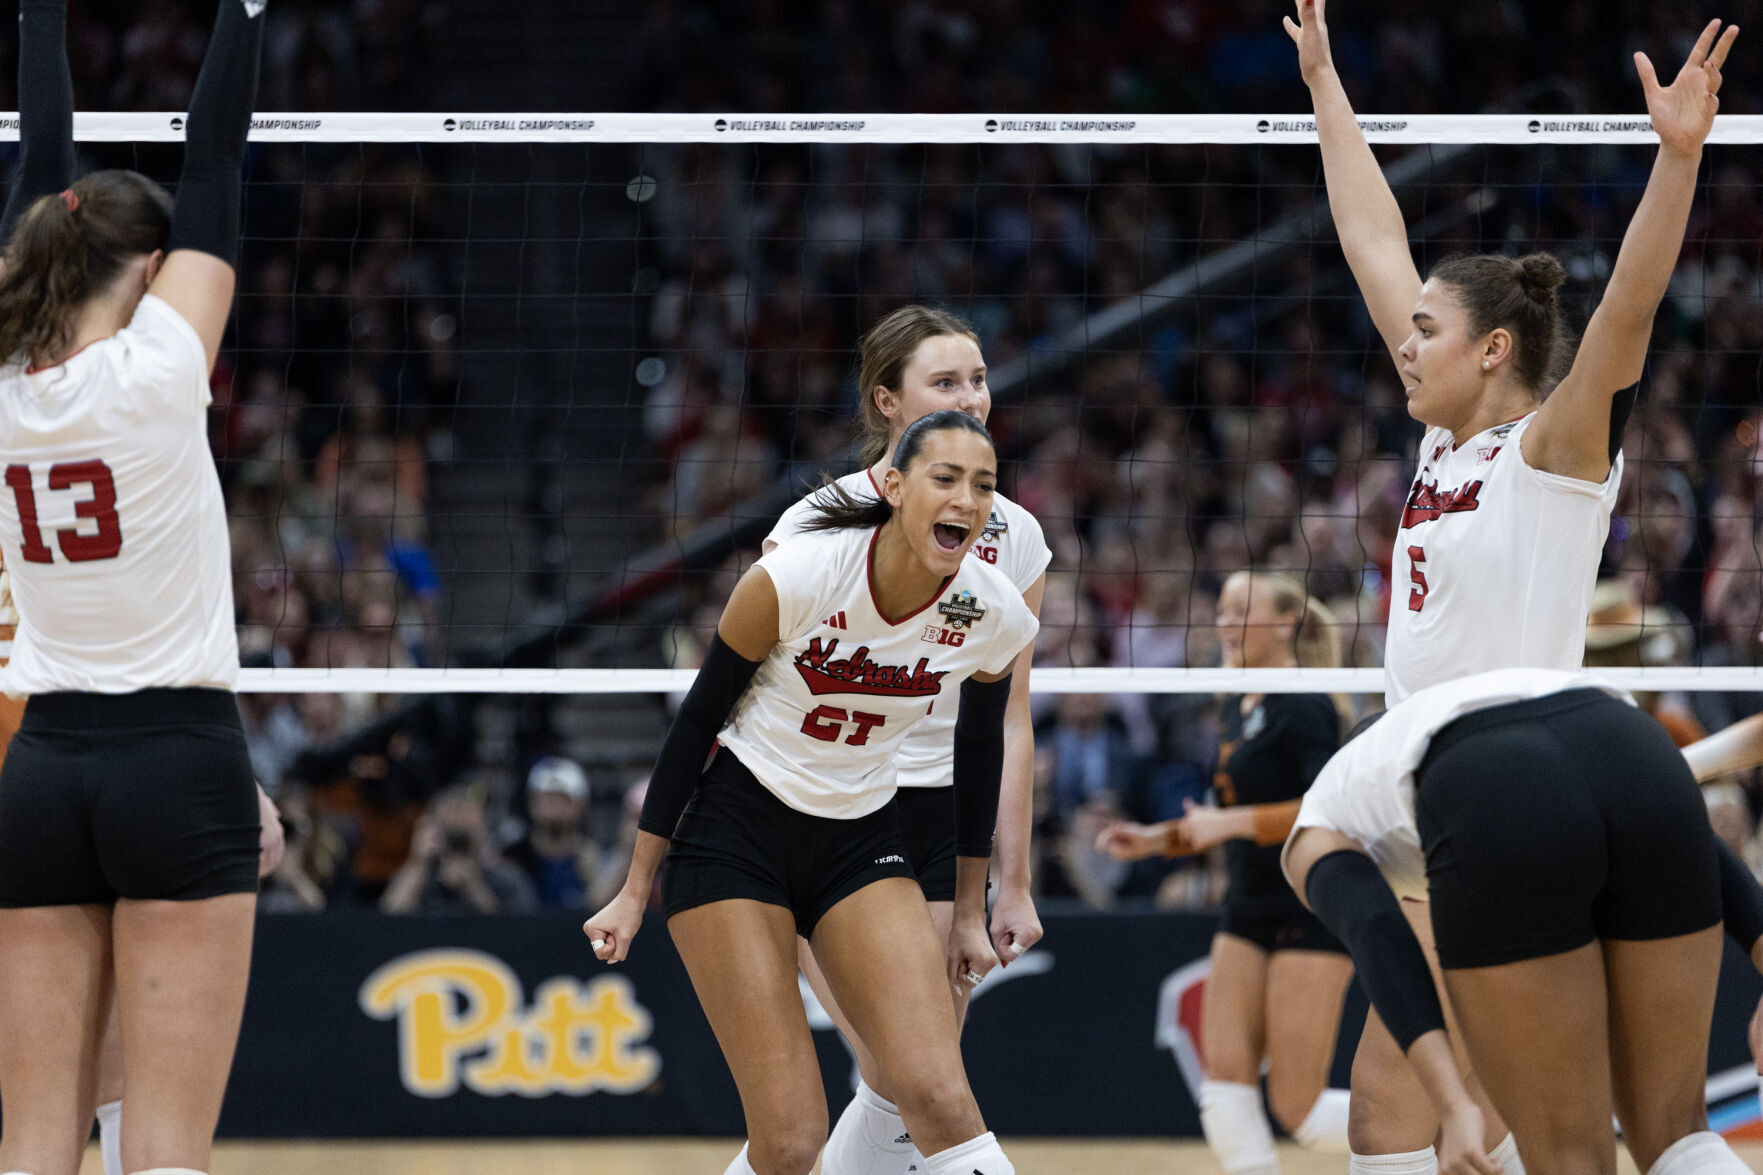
[1576, 904]
[1500, 537]
[915, 361]
[128, 817]
[1277, 976]
[831, 648]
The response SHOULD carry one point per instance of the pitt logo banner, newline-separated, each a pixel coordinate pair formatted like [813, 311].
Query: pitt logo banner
[462, 1017]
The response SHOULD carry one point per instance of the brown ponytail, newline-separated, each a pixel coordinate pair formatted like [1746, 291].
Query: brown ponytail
[883, 354]
[68, 248]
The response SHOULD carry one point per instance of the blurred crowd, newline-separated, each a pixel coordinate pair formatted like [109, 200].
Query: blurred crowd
[1255, 423]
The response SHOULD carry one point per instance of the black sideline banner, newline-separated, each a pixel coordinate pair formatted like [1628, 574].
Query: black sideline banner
[363, 1026]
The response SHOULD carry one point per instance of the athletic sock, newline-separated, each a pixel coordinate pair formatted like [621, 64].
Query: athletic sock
[1324, 1128]
[976, 1156]
[1422, 1162]
[869, 1138]
[1702, 1153]
[1507, 1153]
[1236, 1128]
[170, 1171]
[741, 1166]
[110, 1136]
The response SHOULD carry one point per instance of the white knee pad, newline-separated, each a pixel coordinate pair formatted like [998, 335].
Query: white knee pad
[1324, 1128]
[869, 1138]
[110, 1137]
[1507, 1153]
[170, 1171]
[740, 1166]
[1422, 1162]
[1703, 1153]
[976, 1156]
[1236, 1128]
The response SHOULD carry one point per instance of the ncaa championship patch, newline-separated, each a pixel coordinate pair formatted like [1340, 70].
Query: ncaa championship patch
[962, 610]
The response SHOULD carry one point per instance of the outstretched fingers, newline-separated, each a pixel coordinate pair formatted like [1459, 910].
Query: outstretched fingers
[1722, 47]
[1643, 65]
[1704, 45]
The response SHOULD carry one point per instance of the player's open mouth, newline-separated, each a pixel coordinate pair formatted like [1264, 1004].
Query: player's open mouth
[949, 535]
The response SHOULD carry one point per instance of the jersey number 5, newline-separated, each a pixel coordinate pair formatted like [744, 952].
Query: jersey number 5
[826, 723]
[105, 543]
[1416, 594]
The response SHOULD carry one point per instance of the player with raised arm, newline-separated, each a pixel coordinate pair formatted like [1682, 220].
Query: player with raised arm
[915, 361]
[129, 819]
[830, 650]
[1500, 537]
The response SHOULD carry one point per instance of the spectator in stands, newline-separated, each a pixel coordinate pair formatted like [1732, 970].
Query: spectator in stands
[454, 868]
[556, 854]
[1621, 633]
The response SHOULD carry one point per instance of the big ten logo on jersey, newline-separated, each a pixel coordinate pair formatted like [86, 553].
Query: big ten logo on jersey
[937, 635]
[462, 1019]
[987, 547]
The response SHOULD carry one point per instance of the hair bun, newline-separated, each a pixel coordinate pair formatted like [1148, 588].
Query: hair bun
[1541, 275]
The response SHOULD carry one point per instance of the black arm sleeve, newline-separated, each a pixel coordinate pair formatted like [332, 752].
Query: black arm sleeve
[979, 764]
[1621, 406]
[1741, 898]
[1349, 895]
[720, 682]
[45, 109]
[205, 216]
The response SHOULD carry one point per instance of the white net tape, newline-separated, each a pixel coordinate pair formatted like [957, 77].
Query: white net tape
[356, 127]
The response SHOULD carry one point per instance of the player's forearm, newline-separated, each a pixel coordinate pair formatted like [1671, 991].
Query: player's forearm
[1016, 802]
[1737, 748]
[1650, 250]
[1364, 209]
[646, 857]
[970, 888]
[1435, 1064]
[45, 102]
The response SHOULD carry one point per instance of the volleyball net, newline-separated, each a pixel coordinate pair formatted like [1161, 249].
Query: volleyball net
[510, 399]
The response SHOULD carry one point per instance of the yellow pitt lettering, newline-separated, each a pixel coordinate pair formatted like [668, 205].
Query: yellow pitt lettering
[452, 1005]
[448, 1003]
[590, 1035]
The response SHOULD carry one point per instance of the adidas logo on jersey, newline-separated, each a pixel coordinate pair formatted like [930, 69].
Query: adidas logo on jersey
[903, 1140]
[836, 620]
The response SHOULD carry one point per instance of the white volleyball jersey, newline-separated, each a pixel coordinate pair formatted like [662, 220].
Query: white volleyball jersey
[822, 723]
[1366, 791]
[111, 519]
[1494, 563]
[1012, 541]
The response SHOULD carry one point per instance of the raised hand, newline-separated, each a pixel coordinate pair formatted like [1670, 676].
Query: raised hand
[1683, 112]
[1310, 31]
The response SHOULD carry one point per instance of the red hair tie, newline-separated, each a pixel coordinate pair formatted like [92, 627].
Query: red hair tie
[71, 199]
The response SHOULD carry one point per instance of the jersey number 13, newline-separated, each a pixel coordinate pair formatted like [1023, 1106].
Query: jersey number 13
[100, 507]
